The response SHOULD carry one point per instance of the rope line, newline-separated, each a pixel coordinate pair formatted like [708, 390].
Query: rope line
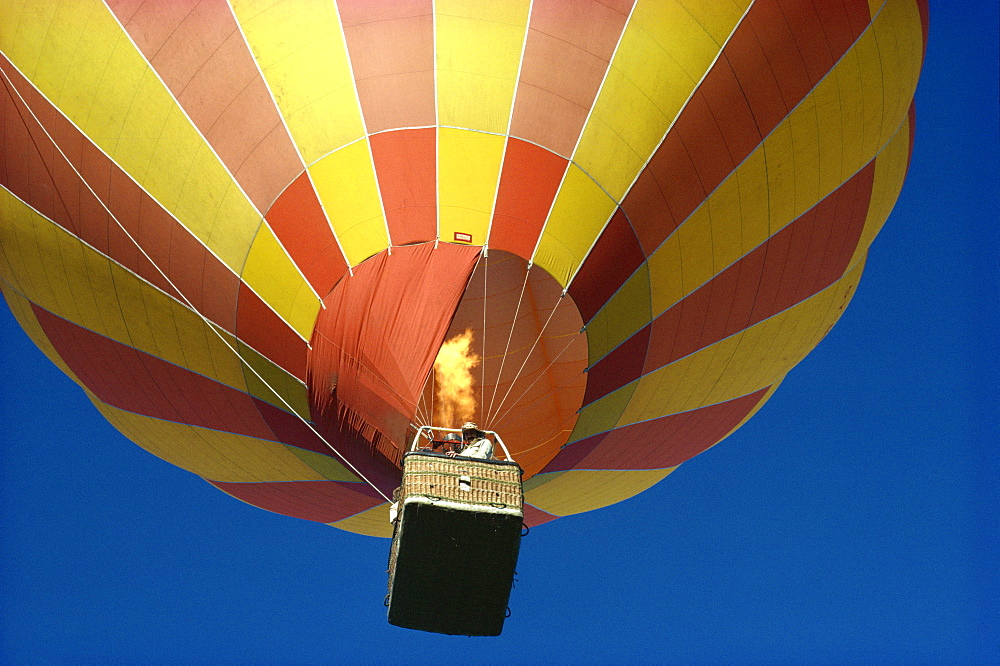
[510, 336]
[531, 351]
[530, 386]
[482, 362]
[205, 319]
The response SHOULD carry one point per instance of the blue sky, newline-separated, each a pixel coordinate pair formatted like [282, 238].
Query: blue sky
[854, 518]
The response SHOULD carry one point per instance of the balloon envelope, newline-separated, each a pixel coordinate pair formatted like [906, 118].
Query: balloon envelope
[245, 229]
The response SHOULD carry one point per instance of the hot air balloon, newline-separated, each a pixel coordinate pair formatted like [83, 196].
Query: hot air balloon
[247, 229]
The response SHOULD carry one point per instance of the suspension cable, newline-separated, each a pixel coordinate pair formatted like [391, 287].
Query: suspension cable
[530, 386]
[428, 409]
[517, 375]
[510, 336]
[482, 361]
[211, 325]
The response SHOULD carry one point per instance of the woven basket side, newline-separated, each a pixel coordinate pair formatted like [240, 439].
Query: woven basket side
[478, 491]
[486, 483]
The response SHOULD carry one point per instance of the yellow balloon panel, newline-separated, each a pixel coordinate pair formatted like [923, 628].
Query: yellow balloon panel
[579, 490]
[603, 414]
[622, 316]
[478, 49]
[748, 361]
[299, 46]
[639, 100]
[718, 19]
[899, 37]
[754, 358]
[208, 201]
[270, 272]
[870, 93]
[220, 456]
[56, 271]
[326, 466]
[272, 384]
[346, 185]
[371, 522]
[578, 216]
[21, 17]
[468, 174]
[162, 327]
[37, 38]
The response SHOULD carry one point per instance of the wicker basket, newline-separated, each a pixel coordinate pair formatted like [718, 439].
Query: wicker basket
[455, 544]
[466, 480]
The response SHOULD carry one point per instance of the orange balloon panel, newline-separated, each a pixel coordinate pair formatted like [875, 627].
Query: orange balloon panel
[247, 231]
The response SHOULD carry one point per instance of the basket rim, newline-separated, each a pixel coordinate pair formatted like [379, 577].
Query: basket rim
[461, 458]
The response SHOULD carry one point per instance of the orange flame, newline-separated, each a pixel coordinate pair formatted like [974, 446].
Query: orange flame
[456, 401]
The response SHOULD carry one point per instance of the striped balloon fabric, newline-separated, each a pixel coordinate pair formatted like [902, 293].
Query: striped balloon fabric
[246, 228]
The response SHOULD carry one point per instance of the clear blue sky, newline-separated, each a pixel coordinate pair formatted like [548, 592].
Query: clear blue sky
[854, 518]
